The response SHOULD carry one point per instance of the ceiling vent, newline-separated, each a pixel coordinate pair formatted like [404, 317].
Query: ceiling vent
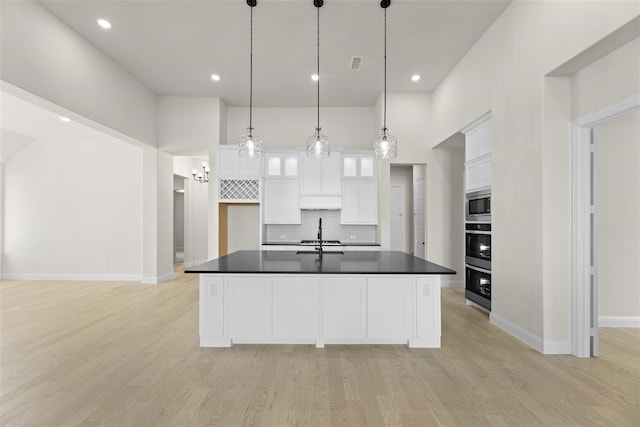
[356, 63]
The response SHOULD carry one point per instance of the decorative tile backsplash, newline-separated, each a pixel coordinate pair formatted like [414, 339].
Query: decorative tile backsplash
[331, 229]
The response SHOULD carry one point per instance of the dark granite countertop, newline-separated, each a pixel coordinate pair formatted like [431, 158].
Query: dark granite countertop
[341, 244]
[354, 262]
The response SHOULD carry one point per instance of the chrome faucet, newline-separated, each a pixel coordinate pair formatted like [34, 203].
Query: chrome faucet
[320, 236]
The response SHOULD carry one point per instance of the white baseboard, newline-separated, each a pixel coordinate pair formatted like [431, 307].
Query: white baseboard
[451, 283]
[619, 321]
[517, 331]
[75, 277]
[478, 306]
[154, 280]
[188, 264]
[557, 347]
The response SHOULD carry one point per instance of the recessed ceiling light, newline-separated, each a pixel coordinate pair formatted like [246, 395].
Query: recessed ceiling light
[415, 77]
[104, 23]
[315, 77]
[65, 119]
[215, 77]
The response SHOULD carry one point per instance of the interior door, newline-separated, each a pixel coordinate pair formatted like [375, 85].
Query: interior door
[418, 218]
[397, 217]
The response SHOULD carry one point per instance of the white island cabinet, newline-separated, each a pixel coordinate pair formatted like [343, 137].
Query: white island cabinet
[287, 298]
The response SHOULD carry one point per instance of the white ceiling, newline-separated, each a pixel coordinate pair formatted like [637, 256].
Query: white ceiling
[174, 46]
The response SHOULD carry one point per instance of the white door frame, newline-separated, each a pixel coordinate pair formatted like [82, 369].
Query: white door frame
[419, 240]
[581, 238]
[404, 228]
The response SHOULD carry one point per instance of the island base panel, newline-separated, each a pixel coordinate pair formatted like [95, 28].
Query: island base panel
[319, 309]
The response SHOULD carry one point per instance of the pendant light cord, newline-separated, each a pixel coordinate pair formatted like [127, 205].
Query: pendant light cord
[318, 63]
[384, 124]
[251, 72]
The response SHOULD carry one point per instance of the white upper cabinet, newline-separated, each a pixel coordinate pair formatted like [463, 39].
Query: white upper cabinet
[281, 197]
[359, 202]
[281, 165]
[281, 201]
[478, 141]
[478, 155]
[320, 181]
[320, 176]
[478, 174]
[359, 188]
[230, 164]
[358, 165]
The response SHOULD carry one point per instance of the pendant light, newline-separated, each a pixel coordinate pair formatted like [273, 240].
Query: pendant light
[250, 145]
[318, 144]
[385, 145]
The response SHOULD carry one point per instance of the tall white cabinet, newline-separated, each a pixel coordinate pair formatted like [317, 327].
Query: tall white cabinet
[359, 189]
[281, 188]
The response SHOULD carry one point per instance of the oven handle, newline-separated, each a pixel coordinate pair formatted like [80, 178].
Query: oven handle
[477, 232]
[481, 270]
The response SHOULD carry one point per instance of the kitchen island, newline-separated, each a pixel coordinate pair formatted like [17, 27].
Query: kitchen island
[284, 297]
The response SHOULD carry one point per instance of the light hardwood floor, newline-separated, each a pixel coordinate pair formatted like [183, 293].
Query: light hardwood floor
[116, 354]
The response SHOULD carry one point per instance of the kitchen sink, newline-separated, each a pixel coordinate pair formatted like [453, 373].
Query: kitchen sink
[323, 252]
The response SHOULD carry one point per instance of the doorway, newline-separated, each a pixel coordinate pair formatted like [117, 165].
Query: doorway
[586, 222]
[239, 227]
[178, 218]
[418, 219]
[407, 209]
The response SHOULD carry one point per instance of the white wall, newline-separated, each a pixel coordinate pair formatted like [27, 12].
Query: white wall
[504, 73]
[610, 79]
[73, 210]
[10, 144]
[409, 118]
[42, 55]
[289, 127]
[157, 220]
[592, 88]
[243, 228]
[602, 83]
[618, 215]
[446, 207]
[188, 125]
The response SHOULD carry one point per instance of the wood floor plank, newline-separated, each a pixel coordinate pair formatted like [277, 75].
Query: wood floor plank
[123, 353]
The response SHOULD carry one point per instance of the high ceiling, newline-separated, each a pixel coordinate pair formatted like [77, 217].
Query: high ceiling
[174, 46]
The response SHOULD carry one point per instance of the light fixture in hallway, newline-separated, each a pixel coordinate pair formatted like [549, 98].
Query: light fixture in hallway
[201, 177]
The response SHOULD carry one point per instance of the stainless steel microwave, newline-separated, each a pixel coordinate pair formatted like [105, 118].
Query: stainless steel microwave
[478, 206]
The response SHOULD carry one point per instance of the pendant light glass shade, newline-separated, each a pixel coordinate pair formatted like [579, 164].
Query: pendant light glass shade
[249, 144]
[318, 145]
[385, 145]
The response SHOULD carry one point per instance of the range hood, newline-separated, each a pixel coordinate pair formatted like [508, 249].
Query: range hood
[316, 202]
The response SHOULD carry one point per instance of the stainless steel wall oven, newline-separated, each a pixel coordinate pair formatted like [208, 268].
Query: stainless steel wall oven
[478, 263]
